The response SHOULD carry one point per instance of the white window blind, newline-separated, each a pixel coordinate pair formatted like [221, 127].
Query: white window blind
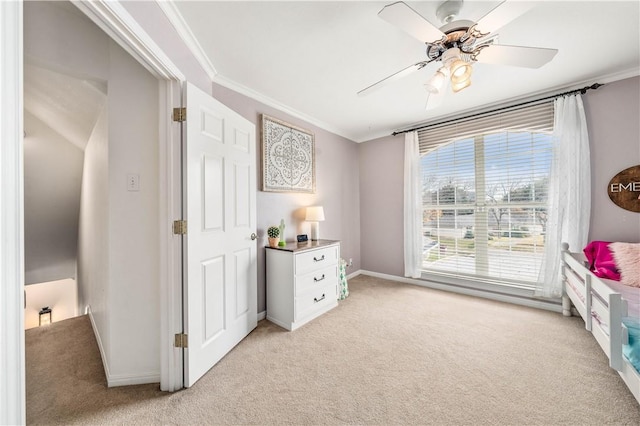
[484, 183]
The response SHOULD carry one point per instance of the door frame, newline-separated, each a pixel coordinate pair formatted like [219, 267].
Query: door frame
[114, 19]
[12, 362]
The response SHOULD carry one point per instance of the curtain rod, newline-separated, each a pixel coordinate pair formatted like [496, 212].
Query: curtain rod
[582, 91]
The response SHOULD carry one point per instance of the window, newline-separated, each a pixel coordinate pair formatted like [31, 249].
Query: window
[484, 193]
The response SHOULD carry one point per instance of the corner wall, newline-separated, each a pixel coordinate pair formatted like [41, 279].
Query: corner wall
[93, 235]
[337, 188]
[382, 204]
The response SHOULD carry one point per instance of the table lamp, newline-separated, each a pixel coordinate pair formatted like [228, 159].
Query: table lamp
[315, 215]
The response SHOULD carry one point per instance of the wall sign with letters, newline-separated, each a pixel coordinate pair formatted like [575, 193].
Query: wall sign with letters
[624, 189]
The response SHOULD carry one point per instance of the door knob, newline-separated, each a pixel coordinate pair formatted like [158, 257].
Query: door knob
[254, 236]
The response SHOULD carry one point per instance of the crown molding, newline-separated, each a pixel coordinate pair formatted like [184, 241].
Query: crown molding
[259, 97]
[177, 20]
[610, 78]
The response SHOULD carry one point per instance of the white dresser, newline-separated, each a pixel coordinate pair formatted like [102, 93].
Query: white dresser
[302, 281]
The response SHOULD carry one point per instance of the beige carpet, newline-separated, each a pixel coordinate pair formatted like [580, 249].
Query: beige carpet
[389, 354]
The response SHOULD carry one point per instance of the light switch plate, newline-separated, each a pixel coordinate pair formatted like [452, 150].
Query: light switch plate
[133, 182]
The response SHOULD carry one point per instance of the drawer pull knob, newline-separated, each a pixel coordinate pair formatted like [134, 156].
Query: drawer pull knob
[318, 279]
[315, 259]
[316, 300]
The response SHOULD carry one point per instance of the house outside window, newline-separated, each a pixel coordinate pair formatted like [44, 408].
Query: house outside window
[484, 193]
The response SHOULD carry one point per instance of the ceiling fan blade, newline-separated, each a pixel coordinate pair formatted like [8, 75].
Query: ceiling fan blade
[410, 21]
[517, 56]
[393, 77]
[502, 14]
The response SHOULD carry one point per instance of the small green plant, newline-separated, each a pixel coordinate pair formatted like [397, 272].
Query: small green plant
[273, 232]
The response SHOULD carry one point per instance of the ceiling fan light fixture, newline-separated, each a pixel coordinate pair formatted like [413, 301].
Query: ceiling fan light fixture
[458, 86]
[460, 71]
[450, 56]
[437, 82]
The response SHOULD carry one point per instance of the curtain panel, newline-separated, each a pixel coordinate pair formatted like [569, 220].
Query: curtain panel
[569, 191]
[412, 207]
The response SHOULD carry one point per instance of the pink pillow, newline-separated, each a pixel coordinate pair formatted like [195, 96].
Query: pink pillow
[627, 258]
[601, 261]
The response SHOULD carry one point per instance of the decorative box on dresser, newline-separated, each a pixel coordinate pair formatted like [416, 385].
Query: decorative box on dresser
[302, 281]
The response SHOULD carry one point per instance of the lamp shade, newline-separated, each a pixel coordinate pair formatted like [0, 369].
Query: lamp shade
[460, 71]
[437, 82]
[314, 214]
[456, 87]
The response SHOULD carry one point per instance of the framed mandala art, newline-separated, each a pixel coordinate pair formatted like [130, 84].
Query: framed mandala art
[288, 157]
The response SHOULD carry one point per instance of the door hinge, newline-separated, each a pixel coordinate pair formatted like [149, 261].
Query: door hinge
[181, 341]
[179, 227]
[180, 114]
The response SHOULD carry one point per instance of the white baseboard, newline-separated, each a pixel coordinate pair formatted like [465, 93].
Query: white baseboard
[119, 379]
[128, 379]
[354, 274]
[532, 303]
[262, 315]
[96, 333]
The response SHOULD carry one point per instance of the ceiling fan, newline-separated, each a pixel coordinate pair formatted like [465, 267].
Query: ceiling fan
[457, 44]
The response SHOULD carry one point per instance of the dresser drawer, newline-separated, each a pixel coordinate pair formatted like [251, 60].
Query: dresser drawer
[315, 300]
[316, 259]
[316, 279]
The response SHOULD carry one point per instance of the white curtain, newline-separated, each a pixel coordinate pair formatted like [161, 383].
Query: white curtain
[569, 192]
[412, 207]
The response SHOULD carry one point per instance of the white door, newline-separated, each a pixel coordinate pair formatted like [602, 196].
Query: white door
[220, 283]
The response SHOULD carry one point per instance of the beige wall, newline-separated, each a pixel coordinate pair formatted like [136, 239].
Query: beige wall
[614, 131]
[134, 253]
[381, 204]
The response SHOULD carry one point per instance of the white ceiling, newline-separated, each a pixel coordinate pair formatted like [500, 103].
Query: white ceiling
[311, 58]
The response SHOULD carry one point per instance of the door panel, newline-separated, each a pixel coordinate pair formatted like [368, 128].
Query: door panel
[242, 198]
[241, 141]
[221, 273]
[212, 125]
[213, 192]
[213, 298]
[243, 266]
